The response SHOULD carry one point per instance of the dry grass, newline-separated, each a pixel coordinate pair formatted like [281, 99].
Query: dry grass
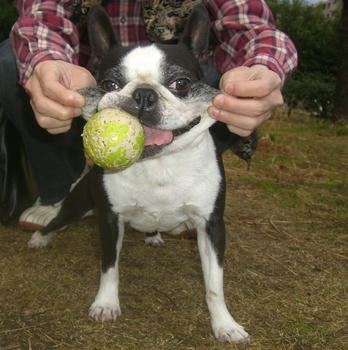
[285, 268]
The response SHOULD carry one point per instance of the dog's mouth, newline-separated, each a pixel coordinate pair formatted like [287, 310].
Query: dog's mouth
[159, 137]
[156, 139]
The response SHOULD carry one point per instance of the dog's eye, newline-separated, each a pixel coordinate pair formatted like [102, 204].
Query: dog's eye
[109, 85]
[180, 85]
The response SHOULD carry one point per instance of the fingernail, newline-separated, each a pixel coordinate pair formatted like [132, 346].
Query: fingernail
[219, 101]
[214, 112]
[77, 112]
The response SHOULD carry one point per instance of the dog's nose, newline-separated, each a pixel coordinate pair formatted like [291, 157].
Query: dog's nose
[145, 98]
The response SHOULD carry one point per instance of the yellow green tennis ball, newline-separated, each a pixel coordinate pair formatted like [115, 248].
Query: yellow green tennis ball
[113, 139]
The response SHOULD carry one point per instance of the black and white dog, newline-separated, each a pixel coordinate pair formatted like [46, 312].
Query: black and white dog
[179, 181]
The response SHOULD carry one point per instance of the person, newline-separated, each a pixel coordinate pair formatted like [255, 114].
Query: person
[48, 54]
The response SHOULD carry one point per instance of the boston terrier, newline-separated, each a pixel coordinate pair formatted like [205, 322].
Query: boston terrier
[178, 183]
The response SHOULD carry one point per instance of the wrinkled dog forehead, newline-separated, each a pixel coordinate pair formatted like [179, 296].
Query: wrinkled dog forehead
[144, 64]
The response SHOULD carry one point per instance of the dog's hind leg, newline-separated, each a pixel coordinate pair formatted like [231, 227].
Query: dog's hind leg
[153, 239]
[75, 206]
[211, 244]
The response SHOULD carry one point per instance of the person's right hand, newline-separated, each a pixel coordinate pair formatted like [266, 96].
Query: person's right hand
[52, 93]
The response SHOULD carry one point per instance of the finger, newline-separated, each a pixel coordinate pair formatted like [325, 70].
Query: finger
[245, 106]
[85, 79]
[48, 122]
[54, 90]
[69, 78]
[60, 130]
[239, 131]
[253, 88]
[240, 121]
[50, 108]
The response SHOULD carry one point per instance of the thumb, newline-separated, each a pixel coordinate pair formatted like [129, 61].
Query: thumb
[234, 75]
[54, 85]
[59, 93]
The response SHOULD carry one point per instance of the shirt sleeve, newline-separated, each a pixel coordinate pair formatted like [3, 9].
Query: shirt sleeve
[43, 32]
[247, 36]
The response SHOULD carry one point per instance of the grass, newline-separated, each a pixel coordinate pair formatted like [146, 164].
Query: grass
[286, 263]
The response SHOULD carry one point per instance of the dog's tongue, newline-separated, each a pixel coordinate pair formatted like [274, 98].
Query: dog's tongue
[157, 137]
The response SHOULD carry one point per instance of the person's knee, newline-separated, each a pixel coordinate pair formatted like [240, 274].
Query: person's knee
[13, 99]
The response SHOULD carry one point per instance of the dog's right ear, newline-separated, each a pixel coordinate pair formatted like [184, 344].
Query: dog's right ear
[100, 32]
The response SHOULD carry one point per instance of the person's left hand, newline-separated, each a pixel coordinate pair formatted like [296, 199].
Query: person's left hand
[249, 96]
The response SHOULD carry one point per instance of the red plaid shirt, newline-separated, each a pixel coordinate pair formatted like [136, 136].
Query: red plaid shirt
[245, 31]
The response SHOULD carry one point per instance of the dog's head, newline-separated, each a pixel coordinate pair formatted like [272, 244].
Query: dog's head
[159, 84]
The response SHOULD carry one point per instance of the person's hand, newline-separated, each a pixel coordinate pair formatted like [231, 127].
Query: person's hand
[52, 96]
[249, 96]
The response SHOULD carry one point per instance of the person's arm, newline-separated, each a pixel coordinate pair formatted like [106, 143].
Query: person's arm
[247, 36]
[46, 45]
[255, 59]
[43, 32]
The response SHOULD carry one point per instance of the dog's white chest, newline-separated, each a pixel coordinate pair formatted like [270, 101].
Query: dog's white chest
[164, 193]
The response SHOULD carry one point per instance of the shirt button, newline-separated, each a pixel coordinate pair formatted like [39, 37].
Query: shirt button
[123, 20]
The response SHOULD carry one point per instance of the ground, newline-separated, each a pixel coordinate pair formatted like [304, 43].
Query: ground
[285, 267]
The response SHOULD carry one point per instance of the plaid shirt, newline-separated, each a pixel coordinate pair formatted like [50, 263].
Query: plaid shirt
[244, 29]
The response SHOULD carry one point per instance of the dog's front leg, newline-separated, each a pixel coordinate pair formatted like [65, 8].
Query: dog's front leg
[106, 306]
[211, 245]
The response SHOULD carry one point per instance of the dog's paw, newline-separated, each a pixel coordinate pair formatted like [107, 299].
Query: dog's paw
[231, 333]
[154, 240]
[103, 313]
[38, 240]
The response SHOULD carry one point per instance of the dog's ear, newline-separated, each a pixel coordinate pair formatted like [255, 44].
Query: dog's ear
[100, 32]
[197, 31]
[92, 96]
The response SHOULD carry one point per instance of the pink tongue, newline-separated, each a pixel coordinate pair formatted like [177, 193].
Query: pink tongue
[157, 137]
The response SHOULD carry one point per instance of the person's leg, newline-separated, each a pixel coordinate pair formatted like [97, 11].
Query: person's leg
[56, 160]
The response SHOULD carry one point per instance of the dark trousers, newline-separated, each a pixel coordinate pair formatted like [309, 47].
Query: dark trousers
[56, 161]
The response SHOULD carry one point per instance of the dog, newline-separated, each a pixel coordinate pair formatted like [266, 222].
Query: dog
[177, 184]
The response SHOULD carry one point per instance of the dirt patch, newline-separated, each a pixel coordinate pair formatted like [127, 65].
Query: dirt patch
[285, 267]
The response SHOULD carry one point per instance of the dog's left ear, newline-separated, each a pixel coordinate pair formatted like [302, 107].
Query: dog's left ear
[100, 32]
[197, 31]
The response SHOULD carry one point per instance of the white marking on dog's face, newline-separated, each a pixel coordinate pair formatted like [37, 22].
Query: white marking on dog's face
[143, 63]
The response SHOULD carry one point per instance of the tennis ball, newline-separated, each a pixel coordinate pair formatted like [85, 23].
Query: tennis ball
[113, 139]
